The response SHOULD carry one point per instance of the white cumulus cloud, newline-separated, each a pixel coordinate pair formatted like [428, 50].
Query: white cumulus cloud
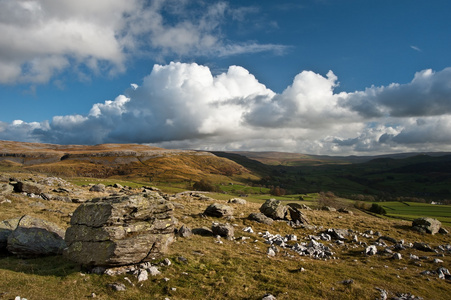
[183, 105]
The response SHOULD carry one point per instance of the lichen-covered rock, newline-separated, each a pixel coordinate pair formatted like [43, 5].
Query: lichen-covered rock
[274, 209]
[6, 188]
[35, 237]
[6, 228]
[218, 210]
[120, 230]
[427, 225]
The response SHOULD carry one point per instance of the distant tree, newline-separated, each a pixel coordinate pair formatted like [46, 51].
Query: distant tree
[277, 191]
[377, 209]
[204, 185]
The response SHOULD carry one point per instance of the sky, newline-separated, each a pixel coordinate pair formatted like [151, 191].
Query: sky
[331, 77]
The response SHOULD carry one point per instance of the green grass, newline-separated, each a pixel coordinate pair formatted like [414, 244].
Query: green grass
[412, 210]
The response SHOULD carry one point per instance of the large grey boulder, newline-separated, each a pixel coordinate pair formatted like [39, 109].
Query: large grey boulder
[274, 209]
[6, 228]
[35, 237]
[260, 218]
[218, 210]
[426, 225]
[120, 230]
[28, 187]
[225, 230]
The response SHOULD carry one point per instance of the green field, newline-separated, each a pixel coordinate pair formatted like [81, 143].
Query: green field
[412, 210]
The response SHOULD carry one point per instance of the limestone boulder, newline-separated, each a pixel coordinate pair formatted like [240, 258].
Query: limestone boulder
[98, 188]
[260, 218]
[274, 209]
[296, 215]
[225, 230]
[34, 237]
[120, 230]
[426, 225]
[218, 210]
[237, 201]
[28, 187]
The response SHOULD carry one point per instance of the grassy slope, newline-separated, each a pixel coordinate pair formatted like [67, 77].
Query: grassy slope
[235, 269]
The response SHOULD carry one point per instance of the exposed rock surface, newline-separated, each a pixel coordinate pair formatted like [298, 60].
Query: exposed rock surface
[427, 225]
[296, 215]
[225, 230]
[36, 237]
[97, 188]
[237, 201]
[218, 210]
[120, 230]
[6, 228]
[274, 209]
[28, 187]
[6, 188]
[260, 218]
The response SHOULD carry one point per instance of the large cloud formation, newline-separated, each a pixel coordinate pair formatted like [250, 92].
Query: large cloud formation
[183, 105]
[43, 38]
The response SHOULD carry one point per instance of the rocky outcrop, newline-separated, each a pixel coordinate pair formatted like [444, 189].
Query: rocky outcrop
[120, 230]
[6, 228]
[218, 210]
[426, 225]
[35, 237]
[274, 209]
[6, 188]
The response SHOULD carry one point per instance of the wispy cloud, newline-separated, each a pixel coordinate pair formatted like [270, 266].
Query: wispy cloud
[416, 48]
[43, 38]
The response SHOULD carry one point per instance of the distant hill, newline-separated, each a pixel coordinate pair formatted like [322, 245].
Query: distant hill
[107, 160]
[384, 177]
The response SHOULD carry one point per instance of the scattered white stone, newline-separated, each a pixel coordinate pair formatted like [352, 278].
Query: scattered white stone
[167, 262]
[154, 271]
[143, 275]
[437, 261]
[271, 252]
[248, 229]
[371, 250]
[129, 281]
[397, 256]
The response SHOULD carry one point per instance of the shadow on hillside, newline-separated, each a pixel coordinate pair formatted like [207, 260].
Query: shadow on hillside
[42, 266]
[403, 227]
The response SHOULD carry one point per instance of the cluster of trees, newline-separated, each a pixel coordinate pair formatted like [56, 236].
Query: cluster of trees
[374, 207]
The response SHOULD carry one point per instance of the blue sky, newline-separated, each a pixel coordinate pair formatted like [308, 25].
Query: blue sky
[316, 76]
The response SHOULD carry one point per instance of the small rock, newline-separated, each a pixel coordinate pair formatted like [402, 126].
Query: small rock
[185, 231]
[237, 201]
[260, 218]
[117, 286]
[347, 282]
[269, 297]
[98, 188]
[271, 252]
[143, 275]
[437, 261]
[154, 271]
[248, 229]
[167, 262]
[397, 256]
[443, 231]
[383, 294]
[371, 250]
